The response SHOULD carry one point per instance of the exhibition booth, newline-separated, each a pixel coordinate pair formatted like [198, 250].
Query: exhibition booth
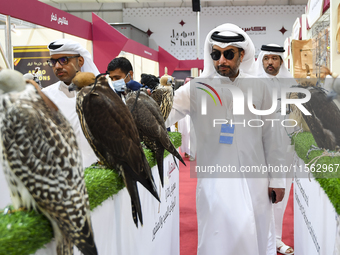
[313, 44]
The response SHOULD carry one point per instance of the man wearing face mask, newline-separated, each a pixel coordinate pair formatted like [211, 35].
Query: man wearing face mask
[121, 73]
[67, 58]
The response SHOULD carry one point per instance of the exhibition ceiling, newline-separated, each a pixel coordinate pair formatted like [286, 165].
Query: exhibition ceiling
[177, 3]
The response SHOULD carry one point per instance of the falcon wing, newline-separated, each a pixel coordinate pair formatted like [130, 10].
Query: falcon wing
[150, 123]
[113, 131]
[164, 98]
[157, 95]
[324, 122]
[42, 153]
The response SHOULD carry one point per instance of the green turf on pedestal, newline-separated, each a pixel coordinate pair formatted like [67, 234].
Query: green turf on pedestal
[25, 232]
[329, 181]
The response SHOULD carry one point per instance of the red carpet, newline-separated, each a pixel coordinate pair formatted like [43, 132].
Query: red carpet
[288, 221]
[187, 210]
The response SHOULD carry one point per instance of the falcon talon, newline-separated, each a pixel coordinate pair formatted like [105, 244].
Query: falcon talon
[312, 148]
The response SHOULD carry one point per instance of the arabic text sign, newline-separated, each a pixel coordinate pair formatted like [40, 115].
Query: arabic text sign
[27, 58]
[61, 21]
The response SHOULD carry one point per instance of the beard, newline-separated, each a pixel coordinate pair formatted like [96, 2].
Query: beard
[272, 71]
[229, 70]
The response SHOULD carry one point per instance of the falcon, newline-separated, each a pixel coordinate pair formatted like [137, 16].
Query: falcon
[42, 162]
[324, 121]
[111, 131]
[164, 94]
[151, 127]
[294, 112]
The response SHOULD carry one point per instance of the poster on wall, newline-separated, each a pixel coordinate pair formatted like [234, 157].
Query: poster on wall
[315, 8]
[28, 59]
[296, 29]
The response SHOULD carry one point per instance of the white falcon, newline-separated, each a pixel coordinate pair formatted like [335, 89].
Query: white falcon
[42, 162]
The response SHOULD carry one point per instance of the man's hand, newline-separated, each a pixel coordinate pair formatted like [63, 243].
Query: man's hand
[280, 192]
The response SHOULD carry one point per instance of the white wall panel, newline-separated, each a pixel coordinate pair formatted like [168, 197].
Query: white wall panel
[181, 41]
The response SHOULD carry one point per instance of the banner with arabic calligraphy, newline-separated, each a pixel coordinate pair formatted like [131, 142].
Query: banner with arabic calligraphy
[175, 30]
[255, 30]
[27, 58]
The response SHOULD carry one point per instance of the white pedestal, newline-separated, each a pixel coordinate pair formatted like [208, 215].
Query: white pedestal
[314, 218]
[114, 230]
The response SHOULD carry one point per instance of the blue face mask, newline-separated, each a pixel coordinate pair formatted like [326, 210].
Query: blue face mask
[118, 85]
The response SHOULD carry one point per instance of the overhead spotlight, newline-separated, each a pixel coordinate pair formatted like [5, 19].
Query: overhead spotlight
[14, 30]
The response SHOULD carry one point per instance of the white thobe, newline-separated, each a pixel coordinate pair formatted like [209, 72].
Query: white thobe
[233, 214]
[279, 208]
[186, 128]
[66, 102]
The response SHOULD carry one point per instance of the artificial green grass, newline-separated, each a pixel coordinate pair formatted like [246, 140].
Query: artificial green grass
[25, 232]
[329, 181]
[102, 184]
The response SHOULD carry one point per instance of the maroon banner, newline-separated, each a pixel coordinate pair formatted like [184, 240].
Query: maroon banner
[108, 42]
[141, 50]
[188, 64]
[326, 5]
[165, 59]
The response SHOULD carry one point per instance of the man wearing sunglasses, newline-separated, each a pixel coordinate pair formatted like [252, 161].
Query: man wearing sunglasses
[67, 58]
[233, 208]
[271, 68]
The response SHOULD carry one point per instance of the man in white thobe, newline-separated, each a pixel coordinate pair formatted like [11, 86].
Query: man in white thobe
[270, 66]
[233, 211]
[185, 127]
[67, 58]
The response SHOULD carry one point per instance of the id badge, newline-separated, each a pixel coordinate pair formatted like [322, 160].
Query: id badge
[227, 129]
[226, 139]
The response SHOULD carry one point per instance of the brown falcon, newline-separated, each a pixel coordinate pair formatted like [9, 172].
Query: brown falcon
[42, 162]
[151, 127]
[324, 120]
[111, 131]
[164, 94]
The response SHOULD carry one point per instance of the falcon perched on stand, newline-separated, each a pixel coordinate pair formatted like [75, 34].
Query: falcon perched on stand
[324, 121]
[151, 127]
[111, 131]
[164, 94]
[42, 162]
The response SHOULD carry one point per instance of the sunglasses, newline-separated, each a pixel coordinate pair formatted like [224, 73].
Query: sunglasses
[62, 61]
[228, 54]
